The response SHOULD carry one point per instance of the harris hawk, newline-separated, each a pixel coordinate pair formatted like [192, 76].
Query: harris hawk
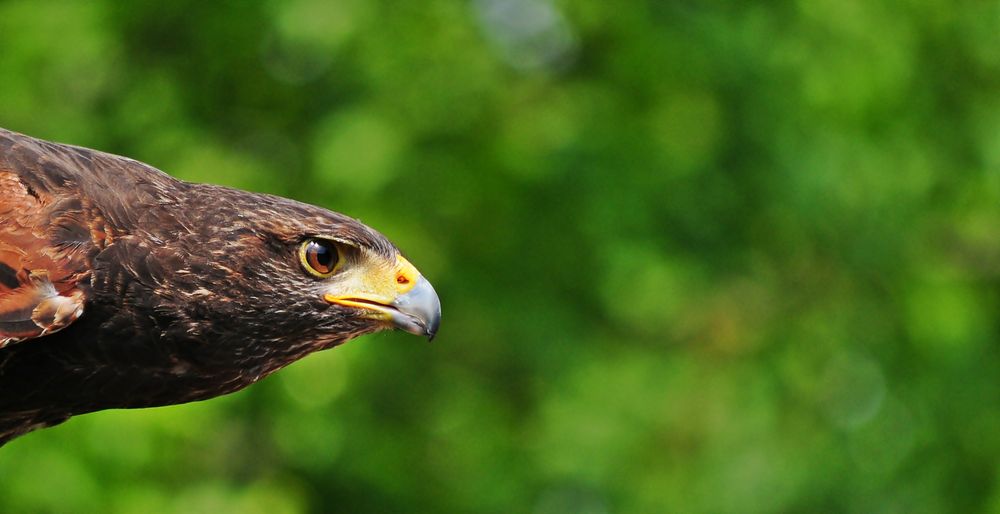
[123, 287]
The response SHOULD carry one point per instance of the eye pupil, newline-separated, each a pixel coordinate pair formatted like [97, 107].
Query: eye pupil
[320, 257]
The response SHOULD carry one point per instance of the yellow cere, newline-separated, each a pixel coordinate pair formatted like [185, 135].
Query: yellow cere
[406, 275]
[375, 287]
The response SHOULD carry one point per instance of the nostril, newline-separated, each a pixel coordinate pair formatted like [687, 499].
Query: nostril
[402, 280]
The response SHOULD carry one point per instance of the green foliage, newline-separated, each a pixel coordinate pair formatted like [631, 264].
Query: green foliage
[712, 257]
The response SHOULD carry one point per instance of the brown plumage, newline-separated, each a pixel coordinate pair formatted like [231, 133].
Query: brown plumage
[122, 287]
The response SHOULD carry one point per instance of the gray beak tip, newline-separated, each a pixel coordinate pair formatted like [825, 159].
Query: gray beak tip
[420, 310]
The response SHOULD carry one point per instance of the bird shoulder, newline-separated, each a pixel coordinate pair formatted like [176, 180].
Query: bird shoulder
[43, 240]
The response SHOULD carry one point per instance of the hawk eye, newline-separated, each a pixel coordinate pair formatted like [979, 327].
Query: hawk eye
[319, 257]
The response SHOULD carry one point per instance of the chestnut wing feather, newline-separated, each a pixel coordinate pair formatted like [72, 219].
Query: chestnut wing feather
[44, 240]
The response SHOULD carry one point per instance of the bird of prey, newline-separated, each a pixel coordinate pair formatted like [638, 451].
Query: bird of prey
[123, 287]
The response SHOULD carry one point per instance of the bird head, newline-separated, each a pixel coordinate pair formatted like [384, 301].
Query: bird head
[264, 270]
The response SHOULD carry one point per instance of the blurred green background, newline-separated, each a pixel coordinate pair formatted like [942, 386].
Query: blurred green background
[696, 257]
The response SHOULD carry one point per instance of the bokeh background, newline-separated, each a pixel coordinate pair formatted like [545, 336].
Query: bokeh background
[698, 257]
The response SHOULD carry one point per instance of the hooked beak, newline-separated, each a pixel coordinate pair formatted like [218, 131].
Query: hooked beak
[417, 311]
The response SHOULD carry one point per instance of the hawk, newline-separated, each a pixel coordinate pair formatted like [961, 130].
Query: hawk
[123, 287]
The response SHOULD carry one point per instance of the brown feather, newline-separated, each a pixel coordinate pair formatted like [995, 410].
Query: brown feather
[43, 243]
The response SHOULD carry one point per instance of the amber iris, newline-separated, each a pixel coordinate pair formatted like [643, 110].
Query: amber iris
[319, 257]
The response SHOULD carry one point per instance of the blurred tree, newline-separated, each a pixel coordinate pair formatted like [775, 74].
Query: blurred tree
[694, 257]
